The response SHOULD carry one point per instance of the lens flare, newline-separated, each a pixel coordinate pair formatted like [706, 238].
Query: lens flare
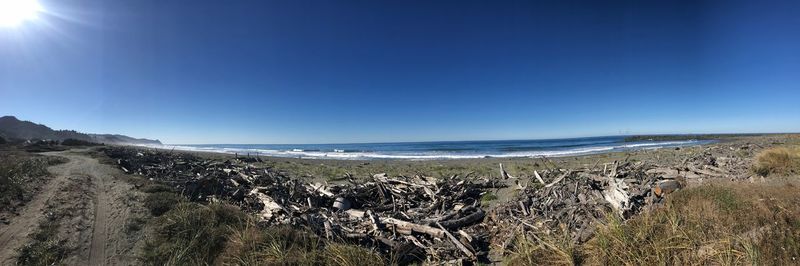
[15, 12]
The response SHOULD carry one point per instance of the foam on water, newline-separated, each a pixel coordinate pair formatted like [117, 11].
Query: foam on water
[441, 150]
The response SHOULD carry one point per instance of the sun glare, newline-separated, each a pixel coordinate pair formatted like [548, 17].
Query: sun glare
[15, 12]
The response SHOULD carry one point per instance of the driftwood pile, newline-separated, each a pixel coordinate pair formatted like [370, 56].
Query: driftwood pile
[422, 218]
[575, 200]
[413, 218]
[572, 202]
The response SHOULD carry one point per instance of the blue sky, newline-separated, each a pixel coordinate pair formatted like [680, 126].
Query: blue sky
[369, 71]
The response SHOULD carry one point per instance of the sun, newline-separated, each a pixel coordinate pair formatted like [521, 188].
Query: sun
[14, 12]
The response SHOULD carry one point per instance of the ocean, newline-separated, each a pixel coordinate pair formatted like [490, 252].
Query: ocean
[441, 149]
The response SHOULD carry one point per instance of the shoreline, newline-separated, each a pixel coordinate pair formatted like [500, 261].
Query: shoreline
[432, 153]
[479, 199]
[334, 169]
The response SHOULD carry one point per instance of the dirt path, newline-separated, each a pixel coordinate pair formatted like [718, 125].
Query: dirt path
[95, 207]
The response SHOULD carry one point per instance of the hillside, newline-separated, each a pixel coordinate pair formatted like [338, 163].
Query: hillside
[13, 128]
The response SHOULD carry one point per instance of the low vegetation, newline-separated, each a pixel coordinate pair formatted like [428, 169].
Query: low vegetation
[45, 248]
[77, 142]
[488, 197]
[191, 234]
[160, 202]
[197, 234]
[727, 224]
[288, 246]
[712, 224]
[778, 161]
[20, 174]
[541, 249]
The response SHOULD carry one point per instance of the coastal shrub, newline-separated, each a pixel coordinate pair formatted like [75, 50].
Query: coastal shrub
[191, 234]
[161, 202]
[710, 224]
[779, 160]
[77, 142]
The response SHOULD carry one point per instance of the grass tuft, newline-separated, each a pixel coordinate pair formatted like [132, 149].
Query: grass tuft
[488, 197]
[45, 248]
[274, 245]
[285, 245]
[161, 202]
[191, 234]
[20, 175]
[779, 160]
[350, 255]
[710, 224]
[541, 249]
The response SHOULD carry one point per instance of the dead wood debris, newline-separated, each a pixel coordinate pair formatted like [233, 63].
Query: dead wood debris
[416, 218]
[422, 218]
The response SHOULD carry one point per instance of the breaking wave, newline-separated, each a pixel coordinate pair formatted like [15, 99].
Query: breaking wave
[432, 151]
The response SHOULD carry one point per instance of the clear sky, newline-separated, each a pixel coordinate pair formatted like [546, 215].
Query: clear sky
[196, 71]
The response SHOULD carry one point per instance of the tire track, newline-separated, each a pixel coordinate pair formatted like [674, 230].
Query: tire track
[97, 235]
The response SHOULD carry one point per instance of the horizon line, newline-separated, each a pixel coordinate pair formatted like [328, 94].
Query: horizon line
[490, 140]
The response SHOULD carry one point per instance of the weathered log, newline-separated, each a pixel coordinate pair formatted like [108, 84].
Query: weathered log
[328, 230]
[504, 174]
[463, 221]
[247, 178]
[466, 235]
[270, 206]
[705, 172]
[435, 232]
[616, 194]
[320, 189]
[376, 224]
[558, 179]
[538, 177]
[458, 243]
[358, 214]
[524, 208]
[666, 173]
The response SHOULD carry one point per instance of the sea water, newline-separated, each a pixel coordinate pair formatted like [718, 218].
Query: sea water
[442, 149]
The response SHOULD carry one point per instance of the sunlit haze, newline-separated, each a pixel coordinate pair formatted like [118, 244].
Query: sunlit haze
[15, 12]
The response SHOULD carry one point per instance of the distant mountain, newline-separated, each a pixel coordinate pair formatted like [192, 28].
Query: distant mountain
[13, 128]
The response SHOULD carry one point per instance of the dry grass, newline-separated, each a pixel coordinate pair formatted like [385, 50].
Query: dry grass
[778, 160]
[711, 224]
[45, 247]
[253, 246]
[20, 174]
[721, 223]
[221, 234]
[284, 245]
[350, 255]
[161, 202]
[540, 249]
[191, 234]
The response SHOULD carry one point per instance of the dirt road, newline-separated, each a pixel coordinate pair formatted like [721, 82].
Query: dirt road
[91, 206]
